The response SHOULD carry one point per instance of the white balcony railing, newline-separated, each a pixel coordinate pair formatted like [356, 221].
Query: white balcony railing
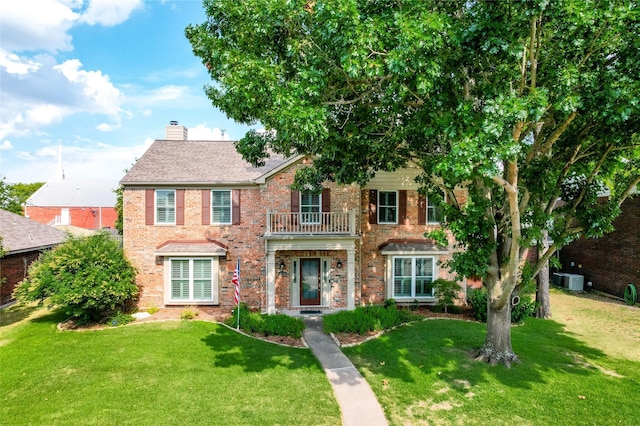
[325, 223]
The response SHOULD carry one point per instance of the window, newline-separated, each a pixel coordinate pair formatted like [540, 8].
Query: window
[191, 280]
[310, 207]
[413, 276]
[387, 207]
[434, 213]
[221, 206]
[166, 206]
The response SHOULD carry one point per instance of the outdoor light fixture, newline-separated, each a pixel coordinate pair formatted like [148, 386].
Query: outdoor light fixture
[282, 265]
[339, 265]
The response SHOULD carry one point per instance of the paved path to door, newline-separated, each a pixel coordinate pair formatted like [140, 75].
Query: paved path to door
[357, 401]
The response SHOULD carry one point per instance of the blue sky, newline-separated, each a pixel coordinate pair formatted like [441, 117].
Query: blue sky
[101, 79]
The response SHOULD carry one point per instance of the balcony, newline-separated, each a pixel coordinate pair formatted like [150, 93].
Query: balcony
[324, 223]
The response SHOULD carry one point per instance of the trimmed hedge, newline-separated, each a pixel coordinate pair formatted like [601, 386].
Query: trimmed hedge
[365, 319]
[269, 325]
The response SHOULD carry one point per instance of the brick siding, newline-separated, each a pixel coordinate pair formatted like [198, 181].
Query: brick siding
[82, 217]
[612, 261]
[245, 241]
[14, 269]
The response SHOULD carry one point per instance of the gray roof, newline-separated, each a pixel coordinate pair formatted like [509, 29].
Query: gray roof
[20, 234]
[75, 193]
[204, 248]
[196, 162]
[410, 245]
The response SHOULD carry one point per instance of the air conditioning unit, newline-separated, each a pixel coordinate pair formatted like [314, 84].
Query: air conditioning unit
[558, 278]
[574, 282]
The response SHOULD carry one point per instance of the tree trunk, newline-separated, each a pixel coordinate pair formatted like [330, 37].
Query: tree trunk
[497, 346]
[543, 304]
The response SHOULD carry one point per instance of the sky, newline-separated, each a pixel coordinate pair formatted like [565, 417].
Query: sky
[98, 81]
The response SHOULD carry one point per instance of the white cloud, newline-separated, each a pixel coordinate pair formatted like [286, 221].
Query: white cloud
[6, 145]
[36, 25]
[109, 12]
[104, 127]
[167, 93]
[44, 114]
[52, 92]
[203, 133]
[100, 95]
[147, 113]
[90, 160]
[17, 65]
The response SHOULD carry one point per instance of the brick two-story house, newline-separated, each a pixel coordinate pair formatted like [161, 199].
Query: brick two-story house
[193, 208]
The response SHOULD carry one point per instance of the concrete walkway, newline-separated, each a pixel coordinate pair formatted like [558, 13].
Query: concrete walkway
[357, 401]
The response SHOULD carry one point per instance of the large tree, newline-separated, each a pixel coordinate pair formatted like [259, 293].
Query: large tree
[14, 195]
[522, 103]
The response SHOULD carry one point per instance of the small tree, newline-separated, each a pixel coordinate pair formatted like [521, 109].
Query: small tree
[446, 292]
[89, 277]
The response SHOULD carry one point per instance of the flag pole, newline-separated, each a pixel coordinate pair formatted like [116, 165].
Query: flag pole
[236, 281]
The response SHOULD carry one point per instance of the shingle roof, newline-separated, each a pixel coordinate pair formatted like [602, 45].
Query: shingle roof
[410, 245]
[75, 193]
[20, 234]
[194, 162]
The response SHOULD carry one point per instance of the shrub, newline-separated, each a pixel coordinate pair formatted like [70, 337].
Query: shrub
[477, 298]
[365, 319]
[188, 314]
[523, 310]
[120, 318]
[89, 277]
[269, 325]
[447, 292]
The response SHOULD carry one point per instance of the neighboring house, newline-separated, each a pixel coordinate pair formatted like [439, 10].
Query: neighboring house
[22, 241]
[193, 208]
[612, 261]
[88, 204]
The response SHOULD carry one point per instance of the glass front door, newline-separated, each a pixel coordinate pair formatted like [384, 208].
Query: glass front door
[310, 281]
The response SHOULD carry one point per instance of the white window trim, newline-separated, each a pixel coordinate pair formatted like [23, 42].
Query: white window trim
[214, 281]
[427, 205]
[312, 214]
[390, 272]
[380, 221]
[155, 207]
[213, 222]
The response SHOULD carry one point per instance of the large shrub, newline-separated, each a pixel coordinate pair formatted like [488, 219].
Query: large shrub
[477, 298]
[89, 277]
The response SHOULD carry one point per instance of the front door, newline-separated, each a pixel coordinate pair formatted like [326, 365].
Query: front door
[310, 281]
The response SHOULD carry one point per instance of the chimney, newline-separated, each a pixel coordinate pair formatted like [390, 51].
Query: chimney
[174, 132]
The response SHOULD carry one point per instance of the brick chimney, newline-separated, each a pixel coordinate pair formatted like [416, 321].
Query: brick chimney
[174, 132]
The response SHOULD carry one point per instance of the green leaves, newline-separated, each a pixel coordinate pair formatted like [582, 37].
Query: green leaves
[89, 277]
[528, 96]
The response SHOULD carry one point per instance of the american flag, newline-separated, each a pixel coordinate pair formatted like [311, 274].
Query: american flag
[236, 281]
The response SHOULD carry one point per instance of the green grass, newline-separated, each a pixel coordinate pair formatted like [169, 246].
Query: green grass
[180, 372]
[422, 374]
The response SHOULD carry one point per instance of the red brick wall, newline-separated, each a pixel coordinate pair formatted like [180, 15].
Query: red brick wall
[13, 270]
[243, 240]
[373, 235]
[82, 217]
[610, 262]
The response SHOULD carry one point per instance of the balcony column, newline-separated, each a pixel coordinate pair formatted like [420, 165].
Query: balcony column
[351, 279]
[271, 282]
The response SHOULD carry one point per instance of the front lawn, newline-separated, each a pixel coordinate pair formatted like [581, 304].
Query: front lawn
[422, 373]
[176, 372]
